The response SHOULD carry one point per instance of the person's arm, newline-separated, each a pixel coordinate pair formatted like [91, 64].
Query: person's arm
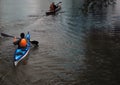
[15, 41]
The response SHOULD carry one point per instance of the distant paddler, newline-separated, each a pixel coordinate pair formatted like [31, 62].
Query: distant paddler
[53, 7]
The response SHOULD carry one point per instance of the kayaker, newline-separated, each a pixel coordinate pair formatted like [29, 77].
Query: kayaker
[53, 7]
[22, 42]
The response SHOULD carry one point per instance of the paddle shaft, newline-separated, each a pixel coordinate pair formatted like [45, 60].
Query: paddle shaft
[6, 35]
[58, 3]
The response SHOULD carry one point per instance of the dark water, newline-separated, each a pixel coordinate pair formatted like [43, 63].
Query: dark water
[74, 48]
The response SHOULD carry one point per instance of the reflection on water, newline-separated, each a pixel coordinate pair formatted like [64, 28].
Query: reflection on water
[95, 5]
[74, 49]
[102, 55]
[102, 50]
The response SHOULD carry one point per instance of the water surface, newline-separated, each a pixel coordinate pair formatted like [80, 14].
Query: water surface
[74, 48]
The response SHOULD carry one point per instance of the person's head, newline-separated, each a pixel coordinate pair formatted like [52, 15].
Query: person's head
[53, 3]
[22, 35]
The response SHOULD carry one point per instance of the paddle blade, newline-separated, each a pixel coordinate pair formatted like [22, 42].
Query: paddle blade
[34, 42]
[6, 35]
[58, 3]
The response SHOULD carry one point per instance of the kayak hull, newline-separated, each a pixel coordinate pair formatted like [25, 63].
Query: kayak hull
[53, 12]
[21, 53]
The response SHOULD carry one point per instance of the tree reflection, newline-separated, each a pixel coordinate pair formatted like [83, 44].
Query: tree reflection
[102, 57]
[96, 4]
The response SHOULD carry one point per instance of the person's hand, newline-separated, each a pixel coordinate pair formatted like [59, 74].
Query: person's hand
[14, 40]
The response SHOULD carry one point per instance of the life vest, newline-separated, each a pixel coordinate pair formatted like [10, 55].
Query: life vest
[23, 42]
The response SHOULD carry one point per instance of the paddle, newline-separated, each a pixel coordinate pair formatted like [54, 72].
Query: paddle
[7, 35]
[58, 3]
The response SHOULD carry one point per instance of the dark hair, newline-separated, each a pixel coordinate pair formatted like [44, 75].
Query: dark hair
[22, 35]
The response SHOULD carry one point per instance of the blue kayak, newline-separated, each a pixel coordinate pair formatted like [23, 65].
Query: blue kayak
[21, 53]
